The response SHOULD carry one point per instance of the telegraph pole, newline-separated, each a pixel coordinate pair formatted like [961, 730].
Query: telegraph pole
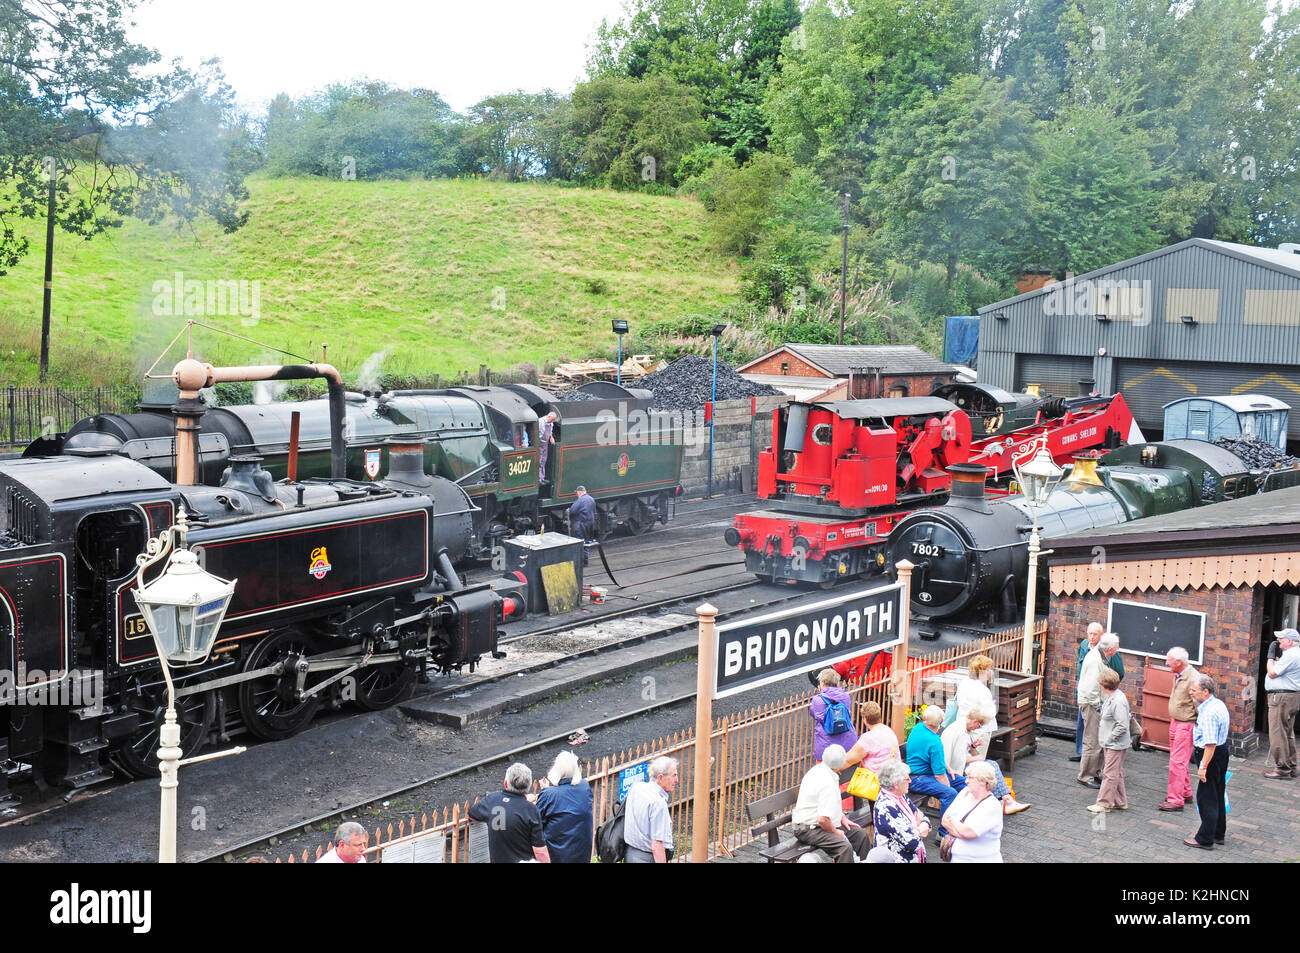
[844, 266]
[52, 169]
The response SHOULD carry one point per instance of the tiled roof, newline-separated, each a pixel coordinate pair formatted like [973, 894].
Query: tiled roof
[841, 359]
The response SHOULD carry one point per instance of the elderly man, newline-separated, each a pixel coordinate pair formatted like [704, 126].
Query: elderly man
[582, 518]
[349, 845]
[1182, 721]
[1095, 631]
[1282, 685]
[514, 824]
[818, 819]
[647, 825]
[545, 437]
[1089, 697]
[1210, 736]
[925, 760]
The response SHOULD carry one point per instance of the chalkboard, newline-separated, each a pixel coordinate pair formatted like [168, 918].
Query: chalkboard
[1147, 629]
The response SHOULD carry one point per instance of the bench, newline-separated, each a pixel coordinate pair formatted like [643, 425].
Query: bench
[775, 812]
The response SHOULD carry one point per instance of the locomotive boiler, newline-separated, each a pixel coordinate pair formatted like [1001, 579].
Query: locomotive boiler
[972, 553]
[345, 592]
[484, 439]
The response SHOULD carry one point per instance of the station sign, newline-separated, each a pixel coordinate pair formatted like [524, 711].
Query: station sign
[754, 652]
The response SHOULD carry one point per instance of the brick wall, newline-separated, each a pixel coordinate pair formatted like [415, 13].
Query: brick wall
[1233, 617]
[733, 444]
[797, 368]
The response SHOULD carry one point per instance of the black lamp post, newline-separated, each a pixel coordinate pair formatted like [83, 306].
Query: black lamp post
[620, 328]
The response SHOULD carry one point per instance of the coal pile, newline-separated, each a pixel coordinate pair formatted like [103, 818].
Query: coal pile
[574, 395]
[687, 383]
[1257, 454]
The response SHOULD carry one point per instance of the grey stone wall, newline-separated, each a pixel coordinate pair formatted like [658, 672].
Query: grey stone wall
[734, 445]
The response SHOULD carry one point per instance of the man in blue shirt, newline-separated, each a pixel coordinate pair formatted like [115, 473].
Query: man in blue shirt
[926, 762]
[582, 518]
[1210, 738]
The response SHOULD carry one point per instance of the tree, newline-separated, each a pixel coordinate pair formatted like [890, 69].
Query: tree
[364, 129]
[952, 175]
[77, 94]
[631, 133]
[523, 135]
[1091, 196]
[844, 82]
[726, 50]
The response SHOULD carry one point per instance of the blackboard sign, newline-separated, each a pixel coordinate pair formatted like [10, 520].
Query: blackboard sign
[1147, 629]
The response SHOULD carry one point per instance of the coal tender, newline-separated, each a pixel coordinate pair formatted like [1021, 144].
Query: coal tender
[971, 554]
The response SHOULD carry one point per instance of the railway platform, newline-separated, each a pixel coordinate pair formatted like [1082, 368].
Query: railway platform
[1263, 816]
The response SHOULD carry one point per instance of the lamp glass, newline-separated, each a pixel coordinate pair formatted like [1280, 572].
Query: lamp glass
[1038, 477]
[183, 608]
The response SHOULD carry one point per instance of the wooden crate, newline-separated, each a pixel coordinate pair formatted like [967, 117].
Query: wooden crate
[1017, 698]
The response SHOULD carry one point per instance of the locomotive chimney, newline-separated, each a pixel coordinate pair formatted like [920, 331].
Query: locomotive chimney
[406, 464]
[968, 487]
[1086, 384]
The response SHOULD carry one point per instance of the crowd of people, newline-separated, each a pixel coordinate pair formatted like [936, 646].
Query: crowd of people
[945, 758]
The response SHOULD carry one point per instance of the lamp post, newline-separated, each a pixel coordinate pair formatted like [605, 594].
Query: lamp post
[717, 333]
[183, 609]
[620, 328]
[1036, 479]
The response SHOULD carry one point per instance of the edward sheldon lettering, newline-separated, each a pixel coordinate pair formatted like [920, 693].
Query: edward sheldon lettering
[755, 651]
[775, 645]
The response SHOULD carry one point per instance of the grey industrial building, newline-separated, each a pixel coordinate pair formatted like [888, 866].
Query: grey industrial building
[1201, 317]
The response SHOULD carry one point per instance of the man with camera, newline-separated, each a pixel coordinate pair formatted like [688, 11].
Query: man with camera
[1282, 686]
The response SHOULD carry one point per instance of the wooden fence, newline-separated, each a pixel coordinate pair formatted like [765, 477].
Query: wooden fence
[32, 412]
[756, 753]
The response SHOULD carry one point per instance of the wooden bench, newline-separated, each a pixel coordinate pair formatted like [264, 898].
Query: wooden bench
[775, 812]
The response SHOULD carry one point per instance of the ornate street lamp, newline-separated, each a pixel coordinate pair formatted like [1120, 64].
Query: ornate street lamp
[183, 609]
[1036, 479]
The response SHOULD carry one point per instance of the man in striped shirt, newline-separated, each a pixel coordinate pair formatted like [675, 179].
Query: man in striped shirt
[1210, 738]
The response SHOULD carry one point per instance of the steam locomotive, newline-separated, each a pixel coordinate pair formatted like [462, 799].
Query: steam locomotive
[345, 592]
[839, 476]
[484, 439]
[971, 554]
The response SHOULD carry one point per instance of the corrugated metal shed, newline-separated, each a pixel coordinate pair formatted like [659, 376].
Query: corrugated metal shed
[1198, 318]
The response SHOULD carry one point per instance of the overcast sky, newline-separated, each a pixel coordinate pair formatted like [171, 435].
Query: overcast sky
[463, 50]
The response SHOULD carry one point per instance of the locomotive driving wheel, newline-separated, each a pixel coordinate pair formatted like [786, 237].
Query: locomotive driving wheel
[270, 705]
[379, 686]
[138, 754]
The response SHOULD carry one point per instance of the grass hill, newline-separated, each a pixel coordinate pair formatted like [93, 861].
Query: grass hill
[436, 276]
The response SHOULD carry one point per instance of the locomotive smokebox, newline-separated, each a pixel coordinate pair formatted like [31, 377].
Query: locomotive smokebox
[453, 510]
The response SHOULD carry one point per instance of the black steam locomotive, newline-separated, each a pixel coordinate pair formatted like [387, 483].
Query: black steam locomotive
[345, 592]
[485, 439]
[972, 553]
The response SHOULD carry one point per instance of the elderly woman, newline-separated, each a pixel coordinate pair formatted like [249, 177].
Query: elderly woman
[961, 740]
[975, 819]
[565, 803]
[974, 692]
[1113, 734]
[899, 825]
[876, 746]
[828, 694]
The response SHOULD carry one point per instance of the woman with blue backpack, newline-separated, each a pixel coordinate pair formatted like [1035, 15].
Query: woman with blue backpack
[832, 716]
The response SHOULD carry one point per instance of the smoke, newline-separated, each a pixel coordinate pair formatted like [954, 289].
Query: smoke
[268, 392]
[368, 376]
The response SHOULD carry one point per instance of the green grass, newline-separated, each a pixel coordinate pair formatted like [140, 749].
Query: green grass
[409, 269]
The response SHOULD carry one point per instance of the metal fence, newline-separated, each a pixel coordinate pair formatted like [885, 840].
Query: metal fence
[757, 753]
[32, 412]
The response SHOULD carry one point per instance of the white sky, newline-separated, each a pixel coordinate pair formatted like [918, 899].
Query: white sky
[463, 50]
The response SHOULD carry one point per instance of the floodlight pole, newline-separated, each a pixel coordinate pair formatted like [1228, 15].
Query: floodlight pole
[49, 276]
[844, 266]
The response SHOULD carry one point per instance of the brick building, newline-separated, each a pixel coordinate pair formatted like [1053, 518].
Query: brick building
[1228, 574]
[852, 372]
